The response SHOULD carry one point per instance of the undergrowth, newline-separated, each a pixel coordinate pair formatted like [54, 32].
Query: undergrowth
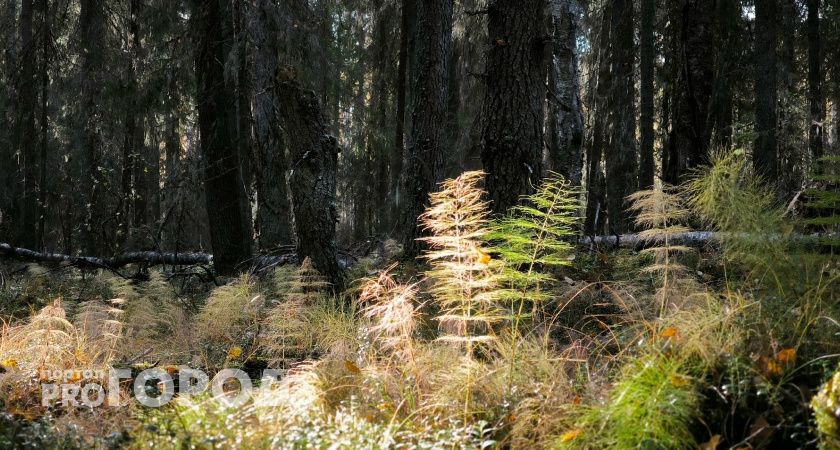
[506, 334]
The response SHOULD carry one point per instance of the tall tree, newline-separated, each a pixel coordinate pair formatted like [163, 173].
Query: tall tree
[595, 197]
[620, 155]
[408, 19]
[512, 114]
[230, 226]
[89, 141]
[765, 157]
[647, 54]
[430, 92]
[273, 208]
[726, 46]
[46, 42]
[815, 97]
[565, 121]
[691, 61]
[25, 130]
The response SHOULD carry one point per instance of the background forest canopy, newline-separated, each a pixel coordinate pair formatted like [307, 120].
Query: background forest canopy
[237, 127]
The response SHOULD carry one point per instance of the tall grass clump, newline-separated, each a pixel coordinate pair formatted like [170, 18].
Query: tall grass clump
[654, 404]
[306, 319]
[228, 325]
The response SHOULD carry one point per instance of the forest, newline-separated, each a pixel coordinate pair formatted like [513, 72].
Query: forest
[420, 224]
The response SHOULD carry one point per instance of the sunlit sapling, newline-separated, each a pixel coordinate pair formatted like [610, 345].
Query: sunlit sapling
[734, 201]
[659, 212]
[465, 279]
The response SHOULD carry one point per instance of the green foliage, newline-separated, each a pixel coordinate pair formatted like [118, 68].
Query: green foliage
[824, 201]
[653, 404]
[826, 406]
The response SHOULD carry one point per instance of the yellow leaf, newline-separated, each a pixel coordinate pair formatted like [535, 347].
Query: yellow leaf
[679, 380]
[234, 352]
[712, 444]
[482, 256]
[352, 367]
[570, 435]
[772, 367]
[668, 332]
[10, 363]
[81, 355]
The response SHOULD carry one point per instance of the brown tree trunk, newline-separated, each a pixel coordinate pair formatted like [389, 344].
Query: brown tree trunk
[25, 131]
[512, 114]
[647, 54]
[88, 146]
[430, 93]
[595, 198]
[313, 156]
[620, 155]
[273, 208]
[565, 121]
[230, 227]
[46, 42]
[817, 103]
[765, 156]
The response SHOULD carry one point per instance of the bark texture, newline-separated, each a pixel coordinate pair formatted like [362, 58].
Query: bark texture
[313, 156]
[765, 157]
[815, 97]
[273, 207]
[512, 113]
[230, 226]
[620, 155]
[430, 92]
[565, 121]
[647, 53]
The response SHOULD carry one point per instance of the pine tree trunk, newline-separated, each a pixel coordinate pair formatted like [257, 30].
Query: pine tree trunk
[765, 156]
[512, 114]
[230, 227]
[647, 54]
[25, 131]
[692, 67]
[46, 42]
[817, 103]
[89, 141]
[313, 156]
[565, 122]
[620, 155]
[430, 92]
[726, 52]
[595, 198]
[273, 207]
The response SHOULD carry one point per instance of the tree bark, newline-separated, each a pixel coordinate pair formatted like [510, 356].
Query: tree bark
[647, 54]
[46, 42]
[25, 130]
[407, 22]
[89, 143]
[230, 227]
[273, 208]
[765, 156]
[313, 154]
[692, 66]
[817, 103]
[565, 122]
[727, 13]
[430, 93]
[620, 155]
[512, 114]
[595, 198]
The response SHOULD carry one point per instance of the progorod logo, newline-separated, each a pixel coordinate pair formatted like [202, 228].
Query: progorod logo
[153, 387]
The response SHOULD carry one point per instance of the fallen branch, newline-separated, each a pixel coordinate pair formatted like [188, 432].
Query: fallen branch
[701, 238]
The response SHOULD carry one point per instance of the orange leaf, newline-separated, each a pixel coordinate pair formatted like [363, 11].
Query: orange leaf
[483, 257]
[712, 444]
[786, 356]
[352, 367]
[668, 333]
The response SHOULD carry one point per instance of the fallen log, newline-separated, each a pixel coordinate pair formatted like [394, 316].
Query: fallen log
[148, 258]
[688, 239]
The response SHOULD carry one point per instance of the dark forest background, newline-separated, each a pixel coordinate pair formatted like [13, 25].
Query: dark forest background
[237, 127]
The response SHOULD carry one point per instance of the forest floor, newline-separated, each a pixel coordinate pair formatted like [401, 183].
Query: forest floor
[504, 335]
